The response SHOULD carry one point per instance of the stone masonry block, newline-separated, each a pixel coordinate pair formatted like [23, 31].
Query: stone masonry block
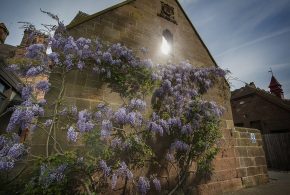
[223, 175]
[241, 151]
[244, 135]
[242, 172]
[236, 134]
[226, 152]
[216, 188]
[246, 162]
[224, 163]
[228, 124]
[255, 151]
[254, 171]
[255, 180]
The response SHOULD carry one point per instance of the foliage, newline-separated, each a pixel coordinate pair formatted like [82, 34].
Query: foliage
[120, 144]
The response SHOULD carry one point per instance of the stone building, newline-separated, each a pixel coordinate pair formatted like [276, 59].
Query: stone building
[9, 93]
[256, 108]
[165, 30]
[9, 83]
[270, 113]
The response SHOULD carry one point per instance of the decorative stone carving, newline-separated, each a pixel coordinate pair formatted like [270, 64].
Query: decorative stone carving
[167, 12]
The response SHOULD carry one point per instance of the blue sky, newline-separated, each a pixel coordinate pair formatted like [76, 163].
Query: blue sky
[245, 36]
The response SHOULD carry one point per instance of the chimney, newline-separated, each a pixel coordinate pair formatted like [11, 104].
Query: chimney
[252, 84]
[30, 37]
[276, 88]
[3, 33]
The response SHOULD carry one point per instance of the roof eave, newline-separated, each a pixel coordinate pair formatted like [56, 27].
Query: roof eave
[90, 17]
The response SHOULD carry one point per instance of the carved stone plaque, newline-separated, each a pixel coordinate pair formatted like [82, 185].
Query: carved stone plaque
[167, 12]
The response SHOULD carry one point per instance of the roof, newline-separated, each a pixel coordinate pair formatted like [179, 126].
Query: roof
[8, 77]
[6, 51]
[79, 20]
[79, 17]
[274, 82]
[250, 90]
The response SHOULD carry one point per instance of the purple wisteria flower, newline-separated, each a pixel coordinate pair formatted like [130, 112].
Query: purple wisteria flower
[48, 122]
[69, 61]
[143, 185]
[34, 71]
[54, 57]
[144, 50]
[23, 115]
[13, 67]
[157, 184]
[156, 128]
[121, 116]
[137, 104]
[50, 175]
[26, 92]
[186, 129]
[58, 174]
[43, 86]
[70, 45]
[84, 123]
[124, 171]
[170, 157]
[37, 110]
[42, 102]
[14, 119]
[35, 50]
[72, 135]
[107, 57]
[164, 125]
[6, 164]
[179, 145]
[106, 128]
[147, 63]
[81, 65]
[16, 151]
[117, 143]
[114, 181]
[106, 170]
[174, 122]
[134, 118]
[10, 151]
[98, 115]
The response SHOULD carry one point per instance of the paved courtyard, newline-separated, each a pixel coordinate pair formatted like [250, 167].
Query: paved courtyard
[279, 183]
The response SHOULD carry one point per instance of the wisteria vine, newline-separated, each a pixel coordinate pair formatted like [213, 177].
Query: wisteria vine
[121, 145]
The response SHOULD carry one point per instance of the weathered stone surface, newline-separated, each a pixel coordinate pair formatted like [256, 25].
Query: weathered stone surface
[251, 162]
[215, 188]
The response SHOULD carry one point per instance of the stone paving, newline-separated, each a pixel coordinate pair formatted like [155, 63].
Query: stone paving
[279, 184]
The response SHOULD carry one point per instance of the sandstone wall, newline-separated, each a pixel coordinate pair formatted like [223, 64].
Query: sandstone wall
[251, 161]
[240, 164]
[137, 25]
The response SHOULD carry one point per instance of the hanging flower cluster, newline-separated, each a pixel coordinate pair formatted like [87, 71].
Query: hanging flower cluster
[10, 151]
